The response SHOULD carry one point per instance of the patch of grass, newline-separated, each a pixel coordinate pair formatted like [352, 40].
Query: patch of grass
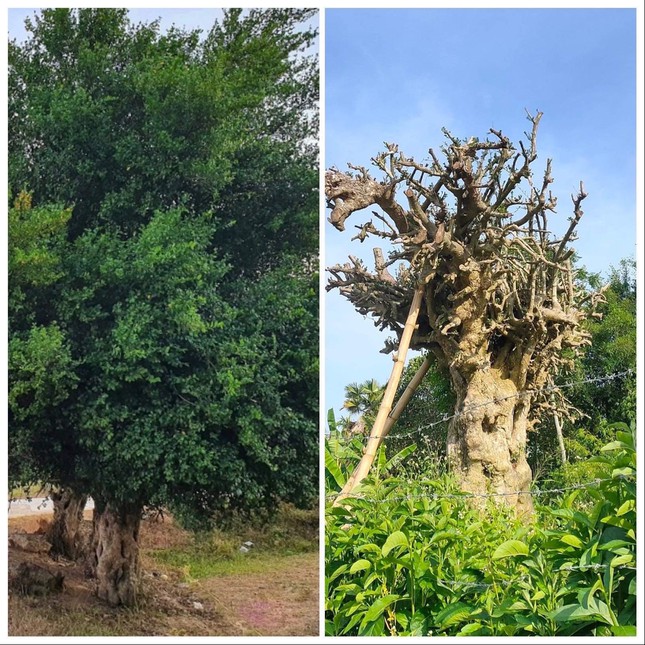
[197, 564]
[29, 616]
[291, 532]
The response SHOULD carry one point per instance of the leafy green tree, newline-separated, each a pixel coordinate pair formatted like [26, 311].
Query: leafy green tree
[613, 350]
[120, 120]
[41, 368]
[422, 420]
[362, 401]
[186, 296]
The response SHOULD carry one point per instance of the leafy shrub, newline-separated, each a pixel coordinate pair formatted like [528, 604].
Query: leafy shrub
[417, 558]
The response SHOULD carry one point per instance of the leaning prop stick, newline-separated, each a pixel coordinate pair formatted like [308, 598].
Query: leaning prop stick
[385, 421]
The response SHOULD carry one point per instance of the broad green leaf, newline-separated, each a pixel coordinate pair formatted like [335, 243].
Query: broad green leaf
[615, 545]
[418, 624]
[356, 618]
[469, 629]
[360, 565]
[627, 506]
[400, 456]
[334, 469]
[569, 613]
[623, 630]
[396, 539]
[614, 445]
[572, 540]
[453, 614]
[379, 606]
[627, 438]
[621, 559]
[622, 522]
[337, 572]
[373, 628]
[331, 420]
[509, 549]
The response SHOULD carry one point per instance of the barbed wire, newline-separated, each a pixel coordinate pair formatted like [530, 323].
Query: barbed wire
[470, 408]
[595, 567]
[550, 388]
[506, 583]
[466, 495]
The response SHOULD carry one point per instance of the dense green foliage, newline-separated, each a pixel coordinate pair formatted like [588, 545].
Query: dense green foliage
[164, 320]
[416, 557]
[119, 120]
[41, 367]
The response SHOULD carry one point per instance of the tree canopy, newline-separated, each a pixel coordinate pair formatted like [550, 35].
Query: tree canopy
[163, 289]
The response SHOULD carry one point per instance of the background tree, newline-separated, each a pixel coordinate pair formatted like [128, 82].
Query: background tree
[120, 120]
[186, 295]
[422, 420]
[362, 401]
[599, 403]
[499, 305]
[40, 363]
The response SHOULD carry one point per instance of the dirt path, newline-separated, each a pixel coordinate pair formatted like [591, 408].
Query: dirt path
[284, 602]
[281, 600]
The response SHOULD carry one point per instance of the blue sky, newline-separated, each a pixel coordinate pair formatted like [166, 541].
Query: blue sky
[401, 75]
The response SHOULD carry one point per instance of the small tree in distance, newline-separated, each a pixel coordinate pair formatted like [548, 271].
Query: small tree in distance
[494, 295]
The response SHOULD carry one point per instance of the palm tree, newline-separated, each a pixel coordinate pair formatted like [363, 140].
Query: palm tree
[362, 401]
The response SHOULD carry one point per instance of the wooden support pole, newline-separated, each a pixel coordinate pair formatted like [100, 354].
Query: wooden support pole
[404, 399]
[381, 423]
[558, 432]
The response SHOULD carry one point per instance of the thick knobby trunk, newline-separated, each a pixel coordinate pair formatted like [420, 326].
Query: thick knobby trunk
[68, 514]
[487, 440]
[115, 544]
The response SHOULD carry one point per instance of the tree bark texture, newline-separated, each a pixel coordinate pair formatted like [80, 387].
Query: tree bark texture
[64, 530]
[486, 443]
[115, 544]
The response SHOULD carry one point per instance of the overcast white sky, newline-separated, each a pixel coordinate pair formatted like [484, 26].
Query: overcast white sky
[401, 75]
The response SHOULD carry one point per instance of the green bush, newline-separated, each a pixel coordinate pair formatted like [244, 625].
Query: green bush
[418, 558]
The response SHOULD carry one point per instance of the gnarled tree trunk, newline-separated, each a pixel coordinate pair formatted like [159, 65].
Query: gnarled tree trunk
[115, 552]
[68, 515]
[487, 441]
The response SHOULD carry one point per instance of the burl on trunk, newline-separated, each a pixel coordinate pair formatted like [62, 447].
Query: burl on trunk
[501, 310]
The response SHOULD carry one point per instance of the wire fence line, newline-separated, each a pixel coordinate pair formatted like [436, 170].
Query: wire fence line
[596, 568]
[466, 495]
[532, 391]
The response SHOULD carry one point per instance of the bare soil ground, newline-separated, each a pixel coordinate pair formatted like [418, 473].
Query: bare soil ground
[266, 594]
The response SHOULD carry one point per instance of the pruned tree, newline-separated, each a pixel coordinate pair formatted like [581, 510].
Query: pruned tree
[500, 305]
